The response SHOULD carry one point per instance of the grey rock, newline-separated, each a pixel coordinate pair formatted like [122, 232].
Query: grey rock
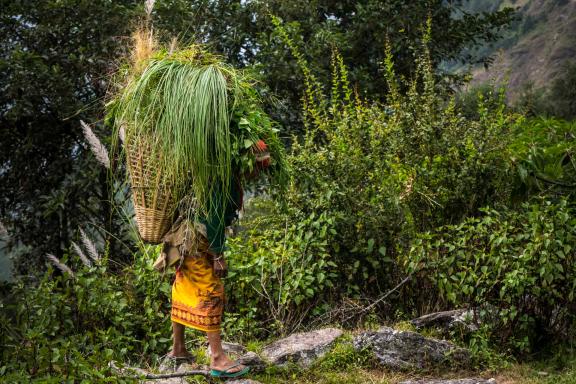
[437, 318]
[403, 350]
[452, 381]
[232, 349]
[465, 321]
[238, 352]
[185, 367]
[301, 348]
[243, 381]
[181, 368]
[457, 318]
[168, 365]
[252, 360]
[171, 380]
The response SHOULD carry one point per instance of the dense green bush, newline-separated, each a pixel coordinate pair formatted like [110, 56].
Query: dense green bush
[516, 268]
[542, 151]
[70, 327]
[379, 175]
[468, 99]
[281, 272]
[366, 178]
[385, 172]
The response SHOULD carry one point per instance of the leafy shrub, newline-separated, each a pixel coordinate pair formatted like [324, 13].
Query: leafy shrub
[366, 177]
[278, 272]
[385, 172]
[542, 150]
[70, 328]
[487, 93]
[515, 267]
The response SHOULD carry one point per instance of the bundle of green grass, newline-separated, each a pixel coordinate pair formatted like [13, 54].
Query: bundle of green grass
[188, 122]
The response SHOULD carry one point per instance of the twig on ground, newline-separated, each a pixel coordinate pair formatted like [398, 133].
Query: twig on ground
[199, 372]
[138, 373]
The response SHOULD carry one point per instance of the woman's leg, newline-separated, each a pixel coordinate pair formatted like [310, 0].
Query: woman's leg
[178, 342]
[218, 359]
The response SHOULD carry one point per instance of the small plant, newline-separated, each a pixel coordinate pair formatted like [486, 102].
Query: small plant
[344, 356]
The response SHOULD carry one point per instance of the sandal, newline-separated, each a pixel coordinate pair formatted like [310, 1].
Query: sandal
[226, 374]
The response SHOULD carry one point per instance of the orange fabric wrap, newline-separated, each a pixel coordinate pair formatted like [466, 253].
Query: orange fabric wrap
[198, 294]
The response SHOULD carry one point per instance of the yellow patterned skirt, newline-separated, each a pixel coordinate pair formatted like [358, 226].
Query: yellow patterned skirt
[197, 294]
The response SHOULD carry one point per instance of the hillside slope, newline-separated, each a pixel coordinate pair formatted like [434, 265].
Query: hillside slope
[538, 47]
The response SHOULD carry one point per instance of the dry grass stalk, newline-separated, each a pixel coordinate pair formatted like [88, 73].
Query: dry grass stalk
[143, 47]
[81, 254]
[122, 134]
[60, 265]
[148, 7]
[96, 146]
[90, 246]
[173, 45]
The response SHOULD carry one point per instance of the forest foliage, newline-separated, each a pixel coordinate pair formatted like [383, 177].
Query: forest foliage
[453, 201]
[57, 58]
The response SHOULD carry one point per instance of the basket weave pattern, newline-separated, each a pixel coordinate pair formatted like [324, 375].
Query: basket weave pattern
[153, 204]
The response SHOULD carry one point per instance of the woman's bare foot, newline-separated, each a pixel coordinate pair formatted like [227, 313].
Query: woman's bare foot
[224, 363]
[179, 346]
[180, 354]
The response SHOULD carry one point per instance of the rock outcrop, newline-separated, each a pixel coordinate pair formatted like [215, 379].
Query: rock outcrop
[252, 360]
[448, 320]
[232, 349]
[403, 350]
[301, 348]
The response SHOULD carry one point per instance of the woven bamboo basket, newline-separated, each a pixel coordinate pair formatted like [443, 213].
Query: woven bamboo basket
[153, 204]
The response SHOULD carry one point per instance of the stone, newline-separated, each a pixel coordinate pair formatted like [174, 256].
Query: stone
[168, 365]
[448, 320]
[404, 350]
[451, 381]
[252, 360]
[238, 352]
[185, 367]
[181, 368]
[301, 348]
[171, 380]
[243, 381]
[443, 318]
[231, 349]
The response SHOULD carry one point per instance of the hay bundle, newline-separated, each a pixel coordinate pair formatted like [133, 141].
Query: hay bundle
[188, 123]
